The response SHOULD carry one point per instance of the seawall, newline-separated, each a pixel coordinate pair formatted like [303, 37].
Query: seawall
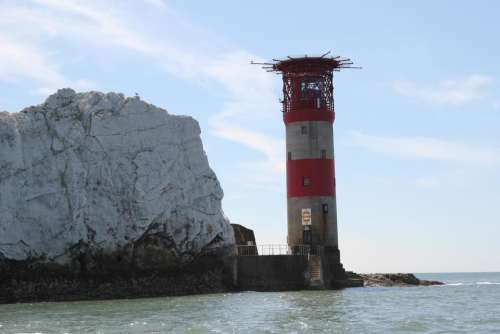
[27, 283]
[271, 273]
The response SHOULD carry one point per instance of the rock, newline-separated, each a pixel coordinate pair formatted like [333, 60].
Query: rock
[245, 240]
[393, 280]
[96, 180]
[243, 236]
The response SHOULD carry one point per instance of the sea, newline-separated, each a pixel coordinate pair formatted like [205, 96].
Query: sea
[468, 303]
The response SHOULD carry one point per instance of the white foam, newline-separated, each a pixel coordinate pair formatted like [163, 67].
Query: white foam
[471, 283]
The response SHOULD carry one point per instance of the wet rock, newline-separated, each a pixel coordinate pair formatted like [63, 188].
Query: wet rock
[400, 279]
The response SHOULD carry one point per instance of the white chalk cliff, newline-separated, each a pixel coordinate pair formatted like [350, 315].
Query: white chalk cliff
[101, 173]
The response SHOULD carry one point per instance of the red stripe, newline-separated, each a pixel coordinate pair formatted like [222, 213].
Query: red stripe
[308, 115]
[321, 174]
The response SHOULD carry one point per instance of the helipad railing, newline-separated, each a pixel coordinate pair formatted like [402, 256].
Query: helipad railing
[263, 250]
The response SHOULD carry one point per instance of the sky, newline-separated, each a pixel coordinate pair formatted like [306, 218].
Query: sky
[417, 130]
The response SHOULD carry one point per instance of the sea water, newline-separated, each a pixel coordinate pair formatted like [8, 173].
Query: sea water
[468, 303]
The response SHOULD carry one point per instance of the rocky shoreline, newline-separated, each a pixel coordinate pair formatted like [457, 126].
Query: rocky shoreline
[137, 286]
[393, 280]
[206, 275]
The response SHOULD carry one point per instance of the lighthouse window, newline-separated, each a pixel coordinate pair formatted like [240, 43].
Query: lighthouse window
[323, 154]
[305, 181]
[310, 88]
[289, 155]
[303, 130]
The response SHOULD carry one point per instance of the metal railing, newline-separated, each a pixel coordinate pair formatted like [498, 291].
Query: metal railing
[263, 250]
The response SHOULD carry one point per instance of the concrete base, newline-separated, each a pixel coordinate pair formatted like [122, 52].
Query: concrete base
[271, 273]
[291, 272]
[334, 274]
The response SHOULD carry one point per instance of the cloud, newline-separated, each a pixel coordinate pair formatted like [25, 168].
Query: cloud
[239, 77]
[21, 60]
[252, 102]
[246, 117]
[426, 182]
[96, 23]
[24, 58]
[426, 148]
[156, 3]
[93, 26]
[81, 84]
[267, 145]
[453, 92]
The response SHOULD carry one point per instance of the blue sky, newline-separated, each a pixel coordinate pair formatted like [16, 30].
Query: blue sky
[417, 132]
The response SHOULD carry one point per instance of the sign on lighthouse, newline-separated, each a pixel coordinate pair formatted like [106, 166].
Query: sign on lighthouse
[306, 217]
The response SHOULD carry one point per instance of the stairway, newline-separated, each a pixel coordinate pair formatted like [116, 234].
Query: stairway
[315, 272]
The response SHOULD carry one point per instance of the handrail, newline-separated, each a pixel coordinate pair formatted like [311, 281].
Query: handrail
[266, 250]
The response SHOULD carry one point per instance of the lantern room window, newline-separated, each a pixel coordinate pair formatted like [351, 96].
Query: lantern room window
[310, 88]
[311, 93]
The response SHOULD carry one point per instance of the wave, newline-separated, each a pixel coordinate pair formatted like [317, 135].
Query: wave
[472, 283]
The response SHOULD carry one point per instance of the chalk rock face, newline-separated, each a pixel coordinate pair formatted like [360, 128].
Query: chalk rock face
[94, 173]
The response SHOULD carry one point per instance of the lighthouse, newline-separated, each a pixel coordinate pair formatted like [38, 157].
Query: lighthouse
[308, 114]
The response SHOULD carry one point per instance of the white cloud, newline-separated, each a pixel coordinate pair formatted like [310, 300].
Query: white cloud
[22, 60]
[426, 182]
[94, 25]
[157, 3]
[23, 55]
[272, 148]
[97, 24]
[454, 92]
[81, 84]
[239, 77]
[252, 102]
[427, 148]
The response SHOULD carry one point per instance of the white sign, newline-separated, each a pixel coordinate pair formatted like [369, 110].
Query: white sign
[306, 216]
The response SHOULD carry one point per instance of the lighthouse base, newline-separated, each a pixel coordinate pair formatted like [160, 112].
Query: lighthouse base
[291, 272]
[333, 272]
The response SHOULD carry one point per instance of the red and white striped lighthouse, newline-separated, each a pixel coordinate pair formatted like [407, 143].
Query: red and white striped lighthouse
[308, 113]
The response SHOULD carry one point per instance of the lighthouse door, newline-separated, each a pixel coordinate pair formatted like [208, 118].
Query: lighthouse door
[306, 225]
[306, 235]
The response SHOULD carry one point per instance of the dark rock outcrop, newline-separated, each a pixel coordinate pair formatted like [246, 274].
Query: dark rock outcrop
[243, 236]
[387, 280]
[245, 240]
